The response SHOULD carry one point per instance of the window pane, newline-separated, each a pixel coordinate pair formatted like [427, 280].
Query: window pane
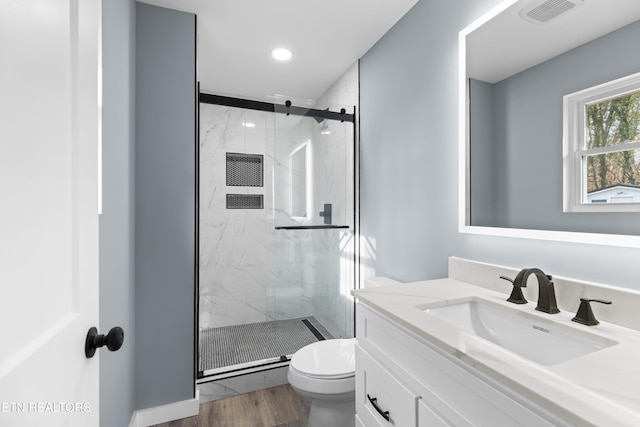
[613, 121]
[613, 177]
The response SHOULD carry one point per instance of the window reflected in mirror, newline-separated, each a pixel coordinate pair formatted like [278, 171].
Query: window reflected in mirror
[602, 146]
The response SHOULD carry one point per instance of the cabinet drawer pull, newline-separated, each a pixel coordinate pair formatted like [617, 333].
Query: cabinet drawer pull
[374, 403]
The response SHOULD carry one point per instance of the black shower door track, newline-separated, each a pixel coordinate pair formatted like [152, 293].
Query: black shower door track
[276, 108]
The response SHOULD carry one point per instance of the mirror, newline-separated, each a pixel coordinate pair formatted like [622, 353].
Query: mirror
[298, 182]
[516, 64]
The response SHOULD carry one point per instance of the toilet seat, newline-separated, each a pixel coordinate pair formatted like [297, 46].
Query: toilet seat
[326, 360]
[324, 373]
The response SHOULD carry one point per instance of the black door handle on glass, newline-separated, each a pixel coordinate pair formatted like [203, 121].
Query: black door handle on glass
[326, 213]
[113, 340]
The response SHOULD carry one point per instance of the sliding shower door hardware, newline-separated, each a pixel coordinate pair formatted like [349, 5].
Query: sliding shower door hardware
[228, 101]
[319, 115]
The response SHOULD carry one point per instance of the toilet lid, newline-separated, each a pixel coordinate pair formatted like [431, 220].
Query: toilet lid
[334, 358]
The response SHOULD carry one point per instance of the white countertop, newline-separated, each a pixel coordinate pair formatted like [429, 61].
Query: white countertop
[600, 388]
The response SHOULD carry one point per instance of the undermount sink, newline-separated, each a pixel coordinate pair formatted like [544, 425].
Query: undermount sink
[542, 341]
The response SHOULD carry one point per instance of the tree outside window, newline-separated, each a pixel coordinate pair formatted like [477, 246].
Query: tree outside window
[613, 123]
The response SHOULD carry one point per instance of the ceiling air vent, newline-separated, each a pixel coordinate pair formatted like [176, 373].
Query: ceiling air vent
[543, 11]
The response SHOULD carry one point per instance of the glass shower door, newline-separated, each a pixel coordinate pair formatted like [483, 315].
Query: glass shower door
[276, 229]
[313, 218]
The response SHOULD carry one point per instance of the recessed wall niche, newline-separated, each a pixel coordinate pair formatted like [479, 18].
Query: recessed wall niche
[245, 201]
[245, 170]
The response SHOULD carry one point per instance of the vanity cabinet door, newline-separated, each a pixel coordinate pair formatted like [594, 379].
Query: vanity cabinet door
[428, 418]
[379, 395]
[457, 392]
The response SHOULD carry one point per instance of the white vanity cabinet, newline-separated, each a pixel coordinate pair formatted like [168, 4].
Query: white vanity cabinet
[421, 385]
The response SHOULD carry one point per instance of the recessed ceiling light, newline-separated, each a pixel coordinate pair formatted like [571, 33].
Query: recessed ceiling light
[249, 125]
[281, 54]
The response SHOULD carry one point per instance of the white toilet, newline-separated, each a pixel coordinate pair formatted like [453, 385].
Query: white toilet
[324, 372]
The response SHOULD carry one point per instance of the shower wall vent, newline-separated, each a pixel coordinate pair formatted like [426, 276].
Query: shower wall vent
[245, 170]
[543, 11]
[245, 201]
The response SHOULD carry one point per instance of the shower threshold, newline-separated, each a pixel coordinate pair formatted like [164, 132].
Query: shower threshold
[234, 350]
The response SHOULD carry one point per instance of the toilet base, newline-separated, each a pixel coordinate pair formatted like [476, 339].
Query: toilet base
[325, 413]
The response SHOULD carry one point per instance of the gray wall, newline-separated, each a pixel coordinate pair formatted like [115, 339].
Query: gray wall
[527, 175]
[165, 205]
[483, 157]
[117, 219]
[409, 154]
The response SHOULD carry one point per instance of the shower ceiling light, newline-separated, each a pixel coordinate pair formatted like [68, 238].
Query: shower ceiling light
[281, 54]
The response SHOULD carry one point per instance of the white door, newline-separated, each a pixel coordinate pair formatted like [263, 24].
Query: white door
[49, 136]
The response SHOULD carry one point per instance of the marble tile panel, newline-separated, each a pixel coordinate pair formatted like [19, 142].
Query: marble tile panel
[228, 310]
[255, 137]
[230, 297]
[344, 92]
[230, 387]
[283, 306]
[232, 239]
[276, 377]
[221, 127]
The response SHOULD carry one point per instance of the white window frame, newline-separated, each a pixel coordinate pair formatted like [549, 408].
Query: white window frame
[574, 144]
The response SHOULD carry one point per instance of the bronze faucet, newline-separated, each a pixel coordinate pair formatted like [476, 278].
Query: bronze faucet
[546, 293]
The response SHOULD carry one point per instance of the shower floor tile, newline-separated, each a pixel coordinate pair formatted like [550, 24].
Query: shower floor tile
[245, 346]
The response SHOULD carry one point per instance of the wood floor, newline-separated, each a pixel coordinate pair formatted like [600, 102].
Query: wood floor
[272, 407]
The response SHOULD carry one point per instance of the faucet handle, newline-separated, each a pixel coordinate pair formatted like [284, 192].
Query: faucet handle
[584, 314]
[516, 296]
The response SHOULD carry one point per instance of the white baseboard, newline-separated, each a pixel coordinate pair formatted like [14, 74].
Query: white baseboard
[165, 413]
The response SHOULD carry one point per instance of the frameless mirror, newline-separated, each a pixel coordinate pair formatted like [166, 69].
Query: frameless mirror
[516, 65]
[298, 181]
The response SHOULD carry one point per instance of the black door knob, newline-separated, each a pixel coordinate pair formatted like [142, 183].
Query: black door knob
[113, 340]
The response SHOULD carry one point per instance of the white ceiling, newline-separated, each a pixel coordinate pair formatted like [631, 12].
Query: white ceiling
[236, 38]
[491, 56]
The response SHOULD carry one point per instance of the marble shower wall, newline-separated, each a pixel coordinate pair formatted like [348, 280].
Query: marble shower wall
[234, 266]
[250, 272]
